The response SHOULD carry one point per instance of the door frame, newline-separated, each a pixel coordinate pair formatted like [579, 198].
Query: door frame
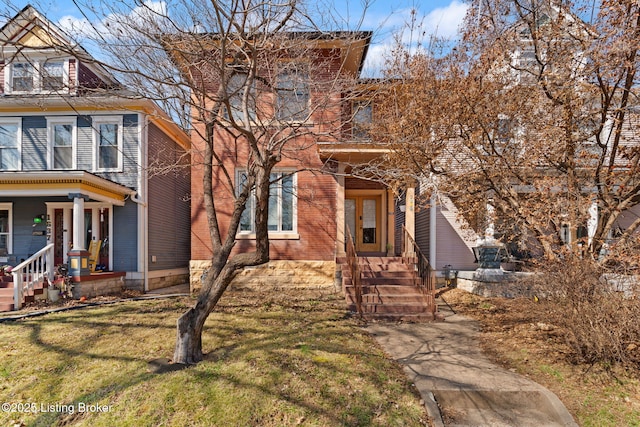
[381, 222]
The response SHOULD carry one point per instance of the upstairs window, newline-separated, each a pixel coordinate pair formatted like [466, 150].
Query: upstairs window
[35, 76]
[236, 88]
[22, 77]
[61, 143]
[53, 76]
[10, 142]
[107, 132]
[292, 95]
[361, 119]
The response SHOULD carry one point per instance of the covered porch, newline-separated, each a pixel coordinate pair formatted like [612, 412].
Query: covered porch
[53, 217]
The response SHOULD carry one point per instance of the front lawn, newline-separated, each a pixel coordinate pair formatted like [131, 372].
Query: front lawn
[271, 360]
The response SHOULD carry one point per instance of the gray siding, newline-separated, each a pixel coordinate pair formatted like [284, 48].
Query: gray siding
[34, 143]
[125, 237]
[169, 209]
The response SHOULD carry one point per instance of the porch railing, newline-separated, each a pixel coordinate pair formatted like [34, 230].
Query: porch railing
[411, 254]
[354, 268]
[36, 269]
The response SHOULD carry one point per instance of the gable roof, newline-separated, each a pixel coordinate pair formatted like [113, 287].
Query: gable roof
[29, 32]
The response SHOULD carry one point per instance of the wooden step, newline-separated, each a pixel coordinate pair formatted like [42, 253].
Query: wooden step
[6, 306]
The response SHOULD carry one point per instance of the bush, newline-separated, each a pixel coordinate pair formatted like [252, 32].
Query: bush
[599, 310]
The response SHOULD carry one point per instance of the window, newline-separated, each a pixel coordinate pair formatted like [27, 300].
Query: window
[52, 76]
[292, 95]
[235, 90]
[10, 142]
[282, 204]
[6, 228]
[107, 134]
[22, 77]
[37, 75]
[61, 143]
[362, 119]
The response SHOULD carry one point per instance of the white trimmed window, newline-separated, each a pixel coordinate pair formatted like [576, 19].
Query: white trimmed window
[282, 204]
[6, 228]
[61, 143]
[10, 144]
[107, 143]
[37, 76]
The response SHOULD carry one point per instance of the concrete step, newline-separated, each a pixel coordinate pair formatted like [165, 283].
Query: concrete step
[392, 308]
[401, 317]
[388, 299]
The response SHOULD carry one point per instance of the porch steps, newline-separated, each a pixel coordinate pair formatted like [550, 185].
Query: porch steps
[6, 293]
[389, 292]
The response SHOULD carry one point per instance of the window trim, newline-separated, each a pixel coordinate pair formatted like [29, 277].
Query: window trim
[273, 234]
[51, 123]
[37, 65]
[8, 206]
[96, 122]
[14, 121]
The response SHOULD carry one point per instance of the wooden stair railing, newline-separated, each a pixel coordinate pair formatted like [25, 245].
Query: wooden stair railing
[411, 253]
[354, 268]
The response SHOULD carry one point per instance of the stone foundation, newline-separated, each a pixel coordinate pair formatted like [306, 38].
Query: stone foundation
[493, 283]
[274, 274]
[166, 281]
[98, 284]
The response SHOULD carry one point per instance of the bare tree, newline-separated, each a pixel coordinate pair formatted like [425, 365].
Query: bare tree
[257, 84]
[533, 112]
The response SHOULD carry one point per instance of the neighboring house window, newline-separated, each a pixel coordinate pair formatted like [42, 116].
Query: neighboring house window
[362, 119]
[61, 143]
[22, 77]
[282, 204]
[36, 76]
[10, 143]
[107, 133]
[6, 227]
[292, 95]
[235, 90]
[52, 76]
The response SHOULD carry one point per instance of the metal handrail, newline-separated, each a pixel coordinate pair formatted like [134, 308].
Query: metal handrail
[424, 279]
[354, 268]
[36, 269]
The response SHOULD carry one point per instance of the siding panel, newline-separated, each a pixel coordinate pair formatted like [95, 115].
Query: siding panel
[169, 209]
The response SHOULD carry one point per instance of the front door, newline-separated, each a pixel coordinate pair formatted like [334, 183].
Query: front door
[362, 216]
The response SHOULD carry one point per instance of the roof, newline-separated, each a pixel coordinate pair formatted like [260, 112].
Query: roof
[29, 31]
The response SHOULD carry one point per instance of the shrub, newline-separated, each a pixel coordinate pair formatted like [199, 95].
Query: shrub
[598, 310]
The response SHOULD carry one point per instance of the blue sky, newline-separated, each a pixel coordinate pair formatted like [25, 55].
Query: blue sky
[384, 17]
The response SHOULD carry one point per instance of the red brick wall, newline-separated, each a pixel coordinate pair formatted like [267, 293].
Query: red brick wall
[316, 202]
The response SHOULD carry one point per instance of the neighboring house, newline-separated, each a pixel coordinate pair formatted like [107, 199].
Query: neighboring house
[75, 157]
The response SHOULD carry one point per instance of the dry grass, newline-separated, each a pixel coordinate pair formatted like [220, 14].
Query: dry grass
[271, 361]
[518, 334]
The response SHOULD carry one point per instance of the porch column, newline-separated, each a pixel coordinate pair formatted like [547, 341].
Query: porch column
[410, 211]
[409, 220]
[78, 256]
[340, 238]
[78, 222]
[592, 222]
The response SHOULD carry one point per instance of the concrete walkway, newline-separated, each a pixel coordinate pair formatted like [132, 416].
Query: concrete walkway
[459, 385]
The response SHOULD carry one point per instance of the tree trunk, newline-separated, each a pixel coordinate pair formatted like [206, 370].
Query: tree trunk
[188, 349]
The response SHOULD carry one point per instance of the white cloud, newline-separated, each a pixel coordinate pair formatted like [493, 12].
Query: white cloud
[445, 21]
